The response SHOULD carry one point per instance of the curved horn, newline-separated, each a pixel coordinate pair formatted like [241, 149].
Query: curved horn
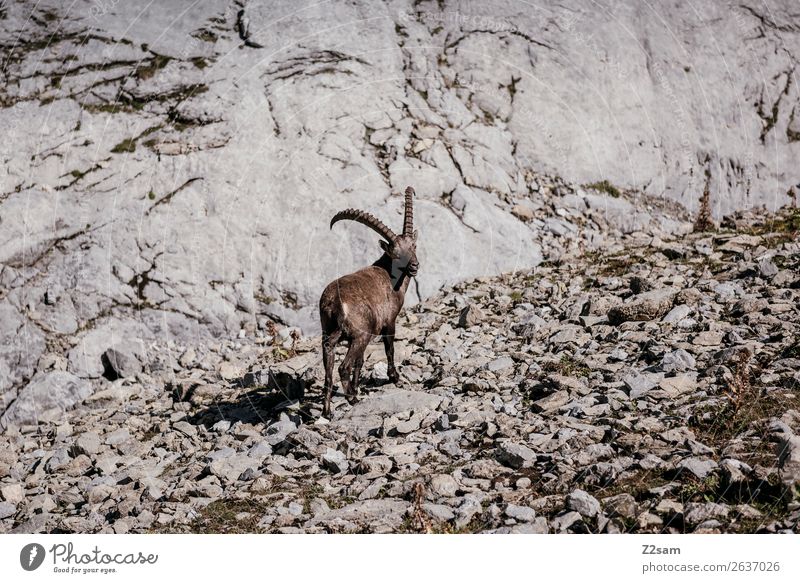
[408, 220]
[365, 219]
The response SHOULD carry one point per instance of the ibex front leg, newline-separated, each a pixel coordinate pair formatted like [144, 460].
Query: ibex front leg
[388, 345]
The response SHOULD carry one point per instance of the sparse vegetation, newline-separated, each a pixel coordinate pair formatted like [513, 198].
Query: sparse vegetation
[227, 516]
[568, 366]
[605, 187]
[154, 64]
[703, 222]
[126, 145]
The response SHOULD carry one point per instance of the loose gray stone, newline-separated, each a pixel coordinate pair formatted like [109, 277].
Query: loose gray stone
[7, 509]
[186, 428]
[646, 306]
[735, 471]
[443, 485]
[521, 513]
[701, 468]
[88, 443]
[695, 513]
[569, 333]
[467, 510]
[229, 469]
[375, 466]
[117, 437]
[788, 449]
[369, 413]
[440, 512]
[677, 361]
[551, 402]
[123, 360]
[677, 314]
[335, 461]
[470, 316]
[565, 520]
[500, 364]
[679, 385]
[640, 384]
[767, 268]
[622, 505]
[57, 460]
[584, 503]
[515, 455]
[13, 493]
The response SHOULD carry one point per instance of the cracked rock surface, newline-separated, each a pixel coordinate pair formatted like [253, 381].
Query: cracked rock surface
[169, 173]
[168, 178]
[543, 415]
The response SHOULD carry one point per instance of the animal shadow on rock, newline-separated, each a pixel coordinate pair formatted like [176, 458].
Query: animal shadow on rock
[269, 394]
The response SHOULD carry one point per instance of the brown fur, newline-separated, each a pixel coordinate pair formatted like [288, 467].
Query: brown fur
[360, 306]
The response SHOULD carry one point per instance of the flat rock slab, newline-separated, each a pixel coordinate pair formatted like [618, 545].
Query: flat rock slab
[46, 398]
[673, 387]
[388, 512]
[369, 412]
[646, 306]
[551, 402]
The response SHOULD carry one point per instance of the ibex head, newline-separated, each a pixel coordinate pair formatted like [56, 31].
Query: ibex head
[401, 249]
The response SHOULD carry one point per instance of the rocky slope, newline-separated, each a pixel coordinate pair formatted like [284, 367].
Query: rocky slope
[169, 171]
[652, 387]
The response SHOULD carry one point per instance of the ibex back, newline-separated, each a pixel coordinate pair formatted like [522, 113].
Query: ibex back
[358, 307]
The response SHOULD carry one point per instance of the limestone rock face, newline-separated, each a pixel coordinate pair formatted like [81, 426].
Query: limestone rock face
[176, 183]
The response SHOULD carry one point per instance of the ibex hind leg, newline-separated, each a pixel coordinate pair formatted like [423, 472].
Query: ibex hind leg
[388, 345]
[357, 373]
[349, 371]
[329, 342]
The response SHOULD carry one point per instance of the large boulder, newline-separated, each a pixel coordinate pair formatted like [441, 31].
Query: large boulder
[46, 398]
[21, 345]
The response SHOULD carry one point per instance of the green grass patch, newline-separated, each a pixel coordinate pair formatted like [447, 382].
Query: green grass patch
[126, 145]
[606, 187]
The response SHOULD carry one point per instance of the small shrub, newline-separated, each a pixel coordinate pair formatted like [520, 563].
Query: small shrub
[606, 187]
[704, 222]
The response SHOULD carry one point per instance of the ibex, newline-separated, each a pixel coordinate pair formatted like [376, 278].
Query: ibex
[358, 307]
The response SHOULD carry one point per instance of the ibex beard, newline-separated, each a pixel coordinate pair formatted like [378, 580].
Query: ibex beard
[358, 307]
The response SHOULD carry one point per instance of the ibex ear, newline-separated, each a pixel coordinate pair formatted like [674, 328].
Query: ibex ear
[385, 245]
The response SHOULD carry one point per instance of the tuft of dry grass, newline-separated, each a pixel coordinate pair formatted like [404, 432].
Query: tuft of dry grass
[420, 519]
[223, 516]
[703, 222]
[568, 366]
[739, 388]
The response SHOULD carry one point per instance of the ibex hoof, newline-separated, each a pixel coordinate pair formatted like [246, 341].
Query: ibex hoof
[394, 377]
[352, 399]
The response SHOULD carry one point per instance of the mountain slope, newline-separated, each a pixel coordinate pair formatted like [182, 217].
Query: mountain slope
[170, 171]
[653, 387]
